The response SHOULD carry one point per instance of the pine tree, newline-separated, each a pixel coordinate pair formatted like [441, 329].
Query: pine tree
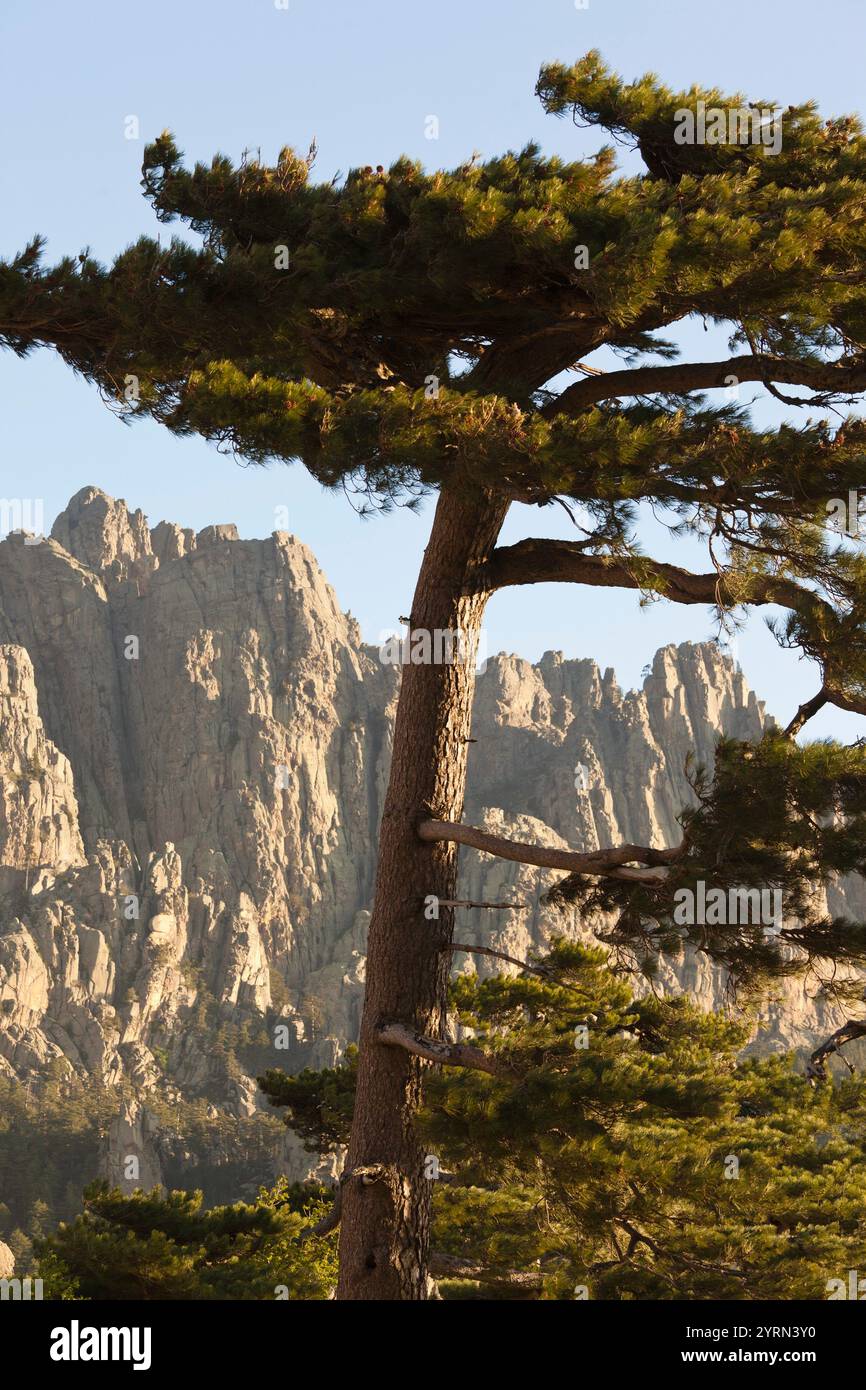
[165, 1245]
[615, 1147]
[403, 331]
[638, 1151]
[603, 1146]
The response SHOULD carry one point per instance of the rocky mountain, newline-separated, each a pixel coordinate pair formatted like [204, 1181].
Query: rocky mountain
[194, 742]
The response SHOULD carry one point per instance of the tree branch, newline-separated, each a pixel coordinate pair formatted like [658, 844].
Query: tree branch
[331, 1220]
[640, 1238]
[496, 955]
[609, 862]
[542, 561]
[806, 710]
[831, 378]
[434, 1050]
[849, 1032]
[538, 970]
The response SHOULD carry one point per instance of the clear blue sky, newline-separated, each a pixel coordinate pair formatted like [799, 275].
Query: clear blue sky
[361, 77]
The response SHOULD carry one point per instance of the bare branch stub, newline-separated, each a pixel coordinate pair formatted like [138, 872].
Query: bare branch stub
[331, 1220]
[436, 1050]
[849, 1032]
[807, 710]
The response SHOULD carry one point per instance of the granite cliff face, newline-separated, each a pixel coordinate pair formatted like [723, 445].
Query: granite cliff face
[194, 742]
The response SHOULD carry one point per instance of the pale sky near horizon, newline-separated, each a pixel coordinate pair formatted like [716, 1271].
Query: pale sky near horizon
[362, 78]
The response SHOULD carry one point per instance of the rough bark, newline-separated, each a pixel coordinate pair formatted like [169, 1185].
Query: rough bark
[384, 1230]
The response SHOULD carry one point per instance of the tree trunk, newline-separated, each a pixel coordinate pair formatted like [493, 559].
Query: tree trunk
[386, 1197]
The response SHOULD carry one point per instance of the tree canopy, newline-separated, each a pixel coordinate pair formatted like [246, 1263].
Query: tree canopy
[166, 1245]
[405, 330]
[400, 329]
